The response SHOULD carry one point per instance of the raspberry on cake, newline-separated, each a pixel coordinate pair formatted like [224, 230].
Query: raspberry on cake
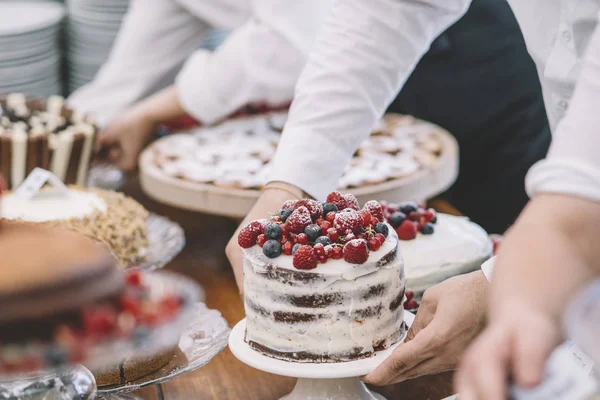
[323, 292]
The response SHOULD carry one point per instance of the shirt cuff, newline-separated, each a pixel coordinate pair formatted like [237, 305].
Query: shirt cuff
[299, 162]
[195, 92]
[488, 268]
[564, 176]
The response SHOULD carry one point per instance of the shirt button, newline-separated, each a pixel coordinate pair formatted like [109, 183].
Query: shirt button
[566, 35]
[563, 105]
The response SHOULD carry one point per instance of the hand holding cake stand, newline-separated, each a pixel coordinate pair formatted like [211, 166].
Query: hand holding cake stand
[327, 381]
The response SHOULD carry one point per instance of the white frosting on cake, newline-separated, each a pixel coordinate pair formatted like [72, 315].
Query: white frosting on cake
[284, 314]
[457, 246]
[50, 205]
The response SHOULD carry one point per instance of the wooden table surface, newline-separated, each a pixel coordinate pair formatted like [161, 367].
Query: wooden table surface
[225, 378]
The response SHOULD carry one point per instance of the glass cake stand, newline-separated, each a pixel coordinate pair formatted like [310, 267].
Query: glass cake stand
[166, 239]
[205, 336]
[327, 381]
[63, 381]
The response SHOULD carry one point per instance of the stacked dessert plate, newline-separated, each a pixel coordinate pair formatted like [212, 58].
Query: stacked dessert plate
[29, 47]
[92, 28]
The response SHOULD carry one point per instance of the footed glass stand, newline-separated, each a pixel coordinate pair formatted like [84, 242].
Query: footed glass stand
[74, 383]
[335, 381]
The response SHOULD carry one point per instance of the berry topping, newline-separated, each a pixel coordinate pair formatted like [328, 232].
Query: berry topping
[397, 218]
[380, 237]
[273, 231]
[356, 251]
[408, 207]
[337, 199]
[329, 208]
[324, 240]
[409, 295]
[261, 240]
[427, 229]
[374, 244]
[285, 213]
[407, 231]
[319, 249]
[374, 207]
[134, 278]
[288, 248]
[313, 231]
[305, 258]
[298, 221]
[351, 201]
[411, 305]
[383, 229]
[349, 237]
[289, 204]
[347, 220]
[430, 215]
[332, 234]
[366, 216]
[325, 225]
[330, 217]
[337, 253]
[249, 233]
[272, 249]
[302, 238]
[322, 259]
[314, 208]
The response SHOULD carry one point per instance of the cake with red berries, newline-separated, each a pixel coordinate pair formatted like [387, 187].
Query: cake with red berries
[436, 246]
[323, 282]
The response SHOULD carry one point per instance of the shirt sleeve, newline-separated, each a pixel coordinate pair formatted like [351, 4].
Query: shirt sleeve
[488, 268]
[364, 54]
[572, 166]
[154, 40]
[259, 62]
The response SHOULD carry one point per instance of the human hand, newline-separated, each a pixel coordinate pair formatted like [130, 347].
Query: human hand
[269, 201]
[450, 316]
[126, 136]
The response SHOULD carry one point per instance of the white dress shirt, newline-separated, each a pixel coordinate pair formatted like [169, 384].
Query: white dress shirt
[259, 62]
[351, 78]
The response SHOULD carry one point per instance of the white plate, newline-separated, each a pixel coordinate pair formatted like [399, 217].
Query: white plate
[17, 17]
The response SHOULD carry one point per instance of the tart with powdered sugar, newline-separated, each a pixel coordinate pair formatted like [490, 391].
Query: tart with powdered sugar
[237, 153]
[436, 246]
[46, 134]
[323, 282]
[109, 217]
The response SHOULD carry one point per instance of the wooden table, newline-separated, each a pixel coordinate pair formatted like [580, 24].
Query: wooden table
[226, 378]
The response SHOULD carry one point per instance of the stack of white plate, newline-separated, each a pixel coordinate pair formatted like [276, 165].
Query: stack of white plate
[91, 30]
[29, 47]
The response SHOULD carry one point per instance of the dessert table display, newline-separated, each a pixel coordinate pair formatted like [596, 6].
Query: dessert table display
[29, 47]
[220, 170]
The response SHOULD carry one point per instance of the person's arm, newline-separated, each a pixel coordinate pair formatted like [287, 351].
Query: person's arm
[258, 62]
[548, 256]
[154, 40]
[364, 54]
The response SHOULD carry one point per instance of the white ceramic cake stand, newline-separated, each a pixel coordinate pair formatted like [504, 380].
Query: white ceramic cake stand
[334, 381]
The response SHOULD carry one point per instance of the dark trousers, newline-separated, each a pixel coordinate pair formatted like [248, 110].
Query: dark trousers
[478, 82]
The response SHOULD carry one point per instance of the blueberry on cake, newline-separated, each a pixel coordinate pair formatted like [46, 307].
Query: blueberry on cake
[46, 134]
[323, 282]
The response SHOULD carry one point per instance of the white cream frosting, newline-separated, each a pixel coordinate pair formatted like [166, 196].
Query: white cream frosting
[50, 205]
[457, 246]
[338, 327]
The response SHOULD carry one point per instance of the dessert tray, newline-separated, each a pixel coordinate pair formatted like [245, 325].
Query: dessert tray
[205, 336]
[331, 381]
[166, 239]
[63, 381]
[220, 170]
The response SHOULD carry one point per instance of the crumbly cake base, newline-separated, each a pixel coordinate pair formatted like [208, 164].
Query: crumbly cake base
[129, 370]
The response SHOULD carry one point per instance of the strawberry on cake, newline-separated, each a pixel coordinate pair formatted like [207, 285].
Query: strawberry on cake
[436, 246]
[323, 282]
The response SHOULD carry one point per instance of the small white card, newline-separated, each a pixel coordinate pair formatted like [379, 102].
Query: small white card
[36, 181]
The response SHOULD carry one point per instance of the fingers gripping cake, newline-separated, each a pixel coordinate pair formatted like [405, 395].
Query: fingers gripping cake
[109, 217]
[322, 282]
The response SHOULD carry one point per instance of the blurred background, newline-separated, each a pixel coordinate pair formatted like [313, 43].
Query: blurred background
[52, 47]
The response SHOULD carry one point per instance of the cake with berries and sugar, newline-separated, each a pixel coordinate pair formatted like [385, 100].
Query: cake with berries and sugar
[435, 246]
[323, 282]
[46, 134]
[106, 216]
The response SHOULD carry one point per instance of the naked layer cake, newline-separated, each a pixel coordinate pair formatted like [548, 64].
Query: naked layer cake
[436, 246]
[323, 282]
[109, 217]
[45, 134]
[237, 153]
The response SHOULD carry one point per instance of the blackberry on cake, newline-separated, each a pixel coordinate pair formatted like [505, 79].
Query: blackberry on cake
[335, 291]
